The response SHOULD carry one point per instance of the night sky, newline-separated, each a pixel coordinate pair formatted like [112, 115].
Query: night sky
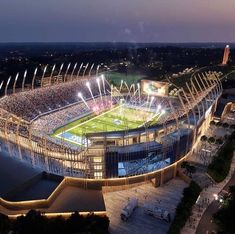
[117, 20]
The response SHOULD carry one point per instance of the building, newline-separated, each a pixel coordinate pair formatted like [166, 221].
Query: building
[226, 55]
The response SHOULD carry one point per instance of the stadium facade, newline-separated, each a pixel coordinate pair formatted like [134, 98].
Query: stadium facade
[59, 128]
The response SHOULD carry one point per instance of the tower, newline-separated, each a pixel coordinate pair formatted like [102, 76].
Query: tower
[226, 55]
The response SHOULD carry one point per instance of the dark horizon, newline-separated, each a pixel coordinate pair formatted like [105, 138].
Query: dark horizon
[124, 44]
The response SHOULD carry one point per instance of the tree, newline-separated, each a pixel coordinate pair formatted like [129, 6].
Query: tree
[211, 140]
[191, 169]
[184, 208]
[218, 124]
[4, 224]
[225, 125]
[220, 165]
[57, 225]
[184, 164]
[204, 138]
[232, 126]
[32, 222]
[212, 123]
[224, 218]
[219, 141]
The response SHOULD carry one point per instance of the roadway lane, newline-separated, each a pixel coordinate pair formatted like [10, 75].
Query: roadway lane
[206, 224]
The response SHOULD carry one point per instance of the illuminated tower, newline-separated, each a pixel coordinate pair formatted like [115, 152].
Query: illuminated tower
[226, 55]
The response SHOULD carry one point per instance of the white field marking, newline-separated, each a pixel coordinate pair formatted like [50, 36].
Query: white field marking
[67, 139]
[90, 119]
[156, 115]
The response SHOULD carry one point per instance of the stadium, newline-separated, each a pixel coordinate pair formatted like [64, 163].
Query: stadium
[84, 128]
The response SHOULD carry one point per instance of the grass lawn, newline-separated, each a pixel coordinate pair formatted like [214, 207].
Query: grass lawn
[116, 77]
[116, 119]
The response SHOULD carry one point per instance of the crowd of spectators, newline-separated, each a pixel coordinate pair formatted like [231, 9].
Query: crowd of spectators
[30, 104]
[64, 116]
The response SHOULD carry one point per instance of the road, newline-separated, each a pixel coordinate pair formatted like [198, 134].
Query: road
[206, 224]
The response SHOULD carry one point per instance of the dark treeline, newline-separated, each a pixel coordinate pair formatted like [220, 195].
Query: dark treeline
[34, 222]
[224, 217]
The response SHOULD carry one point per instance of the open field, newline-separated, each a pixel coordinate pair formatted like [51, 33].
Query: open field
[116, 77]
[117, 119]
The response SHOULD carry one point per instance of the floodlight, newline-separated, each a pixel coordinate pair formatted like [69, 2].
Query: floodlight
[215, 196]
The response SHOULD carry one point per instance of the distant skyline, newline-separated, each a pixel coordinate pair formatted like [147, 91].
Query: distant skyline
[117, 21]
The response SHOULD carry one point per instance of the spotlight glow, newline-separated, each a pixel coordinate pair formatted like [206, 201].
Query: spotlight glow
[151, 102]
[103, 78]
[84, 101]
[89, 88]
[98, 83]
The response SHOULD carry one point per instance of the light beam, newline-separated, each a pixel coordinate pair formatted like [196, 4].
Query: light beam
[80, 96]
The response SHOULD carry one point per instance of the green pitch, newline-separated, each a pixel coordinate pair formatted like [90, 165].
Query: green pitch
[116, 119]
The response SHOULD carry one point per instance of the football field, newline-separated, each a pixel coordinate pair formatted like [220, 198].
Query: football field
[116, 119]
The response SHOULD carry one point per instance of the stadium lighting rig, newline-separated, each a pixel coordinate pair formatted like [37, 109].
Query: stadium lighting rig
[34, 75]
[24, 77]
[14, 85]
[61, 67]
[127, 86]
[75, 65]
[97, 70]
[1, 85]
[129, 90]
[8, 81]
[52, 71]
[132, 87]
[79, 70]
[84, 72]
[91, 69]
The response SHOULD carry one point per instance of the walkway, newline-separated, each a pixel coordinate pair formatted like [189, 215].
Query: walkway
[200, 220]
